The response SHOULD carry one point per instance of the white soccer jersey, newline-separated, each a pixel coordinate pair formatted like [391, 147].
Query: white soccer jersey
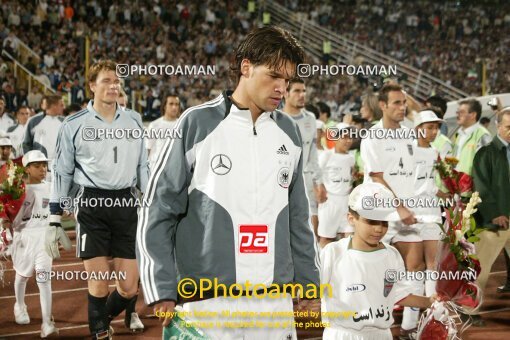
[35, 211]
[5, 122]
[16, 134]
[336, 171]
[308, 128]
[360, 284]
[156, 145]
[41, 134]
[425, 185]
[394, 157]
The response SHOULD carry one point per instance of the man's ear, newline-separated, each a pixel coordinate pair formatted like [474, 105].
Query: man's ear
[382, 105]
[246, 68]
[92, 87]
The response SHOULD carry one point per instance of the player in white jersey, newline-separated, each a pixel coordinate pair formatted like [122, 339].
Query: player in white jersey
[170, 111]
[362, 302]
[42, 130]
[337, 166]
[418, 243]
[294, 107]
[390, 160]
[28, 252]
[17, 132]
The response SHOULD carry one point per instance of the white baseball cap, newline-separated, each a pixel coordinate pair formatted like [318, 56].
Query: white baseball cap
[341, 126]
[33, 156]
[374, 201]
[426, 116]
[5, 141]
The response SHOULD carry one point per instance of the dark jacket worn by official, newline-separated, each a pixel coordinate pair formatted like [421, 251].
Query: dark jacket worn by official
[491, 176]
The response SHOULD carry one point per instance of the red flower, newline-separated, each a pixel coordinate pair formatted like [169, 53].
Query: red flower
[468, 295]
[476, 266]
[450, 184]
[447, 289]
[465, 183]
[434, 330]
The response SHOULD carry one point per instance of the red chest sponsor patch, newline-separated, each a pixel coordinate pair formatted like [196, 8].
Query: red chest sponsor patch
[253, 238]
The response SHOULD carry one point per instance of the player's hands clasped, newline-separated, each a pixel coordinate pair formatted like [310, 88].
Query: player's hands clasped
[406, 216]
[321, 194]
[313, 305]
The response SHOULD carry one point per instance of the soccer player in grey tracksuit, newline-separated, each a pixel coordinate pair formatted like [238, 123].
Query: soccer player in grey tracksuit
[225, 203]
[294, 107]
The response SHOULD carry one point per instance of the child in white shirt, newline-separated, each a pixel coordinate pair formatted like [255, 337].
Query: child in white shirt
[337, 166]
[364, 272]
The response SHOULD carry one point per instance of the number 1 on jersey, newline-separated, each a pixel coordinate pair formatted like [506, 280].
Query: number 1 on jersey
[83, 240]
[114, 154]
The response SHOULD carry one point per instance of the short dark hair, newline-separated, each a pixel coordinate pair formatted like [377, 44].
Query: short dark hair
[21, 108]
[484, 120]
[71, 108]
[293, 81]
[439, 102]
[313, 109]
[386, 89]
[473, 106]
[439, 113]
[271, 46]
[324, 108]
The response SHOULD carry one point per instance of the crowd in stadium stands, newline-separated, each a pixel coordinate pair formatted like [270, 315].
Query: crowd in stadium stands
[446, 39]
[446, 42]
[201, 33]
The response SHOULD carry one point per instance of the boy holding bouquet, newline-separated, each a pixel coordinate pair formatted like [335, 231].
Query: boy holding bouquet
[30, 225]
[372, 287]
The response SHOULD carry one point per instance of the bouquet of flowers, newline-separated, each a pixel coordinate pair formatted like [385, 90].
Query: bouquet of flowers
[12, 190]
[457, 264]
[456, 256]
[456, 183]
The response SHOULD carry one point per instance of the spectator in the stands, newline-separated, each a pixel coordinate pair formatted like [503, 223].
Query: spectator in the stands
[34, 98]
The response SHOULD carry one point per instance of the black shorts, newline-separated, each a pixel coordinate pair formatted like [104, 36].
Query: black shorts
[106, 229]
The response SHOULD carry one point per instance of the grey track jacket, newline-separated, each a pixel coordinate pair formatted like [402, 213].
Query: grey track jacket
[227, 202]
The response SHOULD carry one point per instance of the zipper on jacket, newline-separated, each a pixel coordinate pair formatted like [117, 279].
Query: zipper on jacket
[254, 130]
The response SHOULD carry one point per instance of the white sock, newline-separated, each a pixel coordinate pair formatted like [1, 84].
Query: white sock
[411, 314]
[45, 297]
[430, 285]
[20, 285]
